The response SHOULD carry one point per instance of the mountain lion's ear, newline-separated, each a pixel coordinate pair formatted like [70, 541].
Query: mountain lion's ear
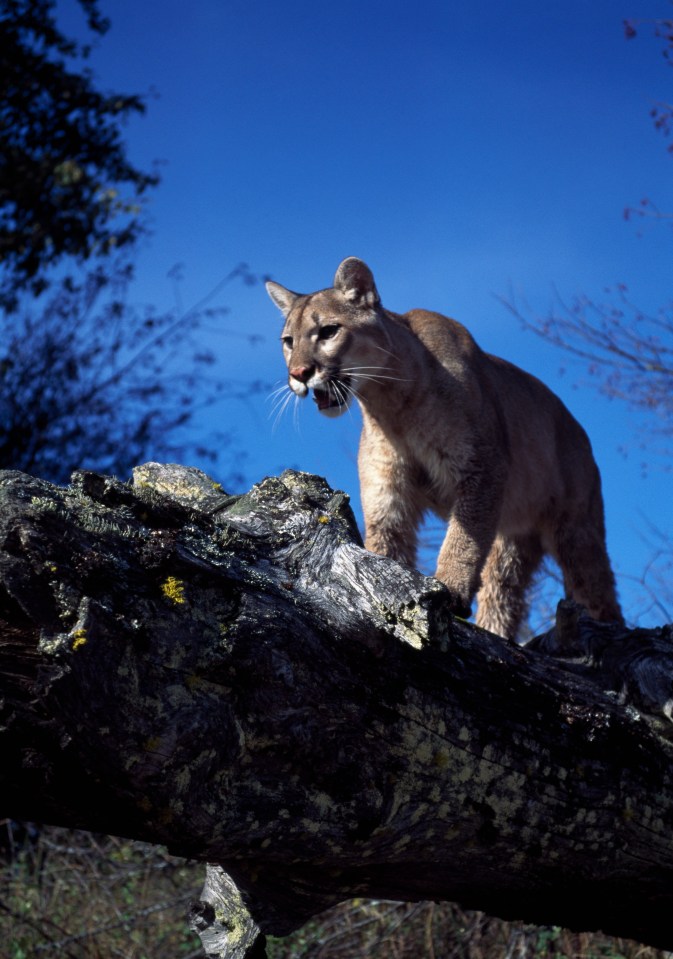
[355, 280]
[284, 299]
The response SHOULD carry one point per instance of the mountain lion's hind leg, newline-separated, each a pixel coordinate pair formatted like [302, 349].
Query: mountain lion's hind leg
[501, 600]
[587, 574]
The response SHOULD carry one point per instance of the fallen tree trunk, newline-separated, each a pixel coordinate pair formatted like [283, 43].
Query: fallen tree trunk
[237, 678]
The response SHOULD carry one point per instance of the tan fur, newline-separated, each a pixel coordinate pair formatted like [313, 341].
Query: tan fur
[449, 428]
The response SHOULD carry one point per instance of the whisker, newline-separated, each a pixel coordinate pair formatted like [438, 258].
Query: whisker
[374, 376]
[351, 390]
[278, 405]
[337, 387]
[274, 394]
[383, 350]
[295, 413]
[281, 408]
[363, 367]
[386, 375]
[342, 390]
[280, 400]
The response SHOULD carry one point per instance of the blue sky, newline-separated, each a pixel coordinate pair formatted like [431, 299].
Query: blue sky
[467, 150]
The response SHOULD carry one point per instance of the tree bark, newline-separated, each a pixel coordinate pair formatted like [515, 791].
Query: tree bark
[236, 677]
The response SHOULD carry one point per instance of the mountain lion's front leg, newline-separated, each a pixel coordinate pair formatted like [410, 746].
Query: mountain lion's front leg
[389, 503]
[391, 518]
[471, 532]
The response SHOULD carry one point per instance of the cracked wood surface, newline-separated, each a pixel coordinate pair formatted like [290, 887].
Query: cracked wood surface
[235, 677]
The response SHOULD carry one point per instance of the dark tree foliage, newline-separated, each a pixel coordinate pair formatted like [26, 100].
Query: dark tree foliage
[66, 186]
[87, 379]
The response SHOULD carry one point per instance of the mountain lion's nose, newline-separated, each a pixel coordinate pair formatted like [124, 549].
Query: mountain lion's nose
[301, 373]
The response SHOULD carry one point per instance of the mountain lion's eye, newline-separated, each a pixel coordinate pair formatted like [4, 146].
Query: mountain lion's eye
[286, 341]
[327, 332]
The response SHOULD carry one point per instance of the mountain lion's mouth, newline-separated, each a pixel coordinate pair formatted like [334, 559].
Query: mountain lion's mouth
[331, 396]
[326, 400]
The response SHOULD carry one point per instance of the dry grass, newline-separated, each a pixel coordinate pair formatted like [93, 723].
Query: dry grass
[426, 930]
[80, 896]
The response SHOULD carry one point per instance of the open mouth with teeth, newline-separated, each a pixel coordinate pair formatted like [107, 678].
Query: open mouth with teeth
[332, 396]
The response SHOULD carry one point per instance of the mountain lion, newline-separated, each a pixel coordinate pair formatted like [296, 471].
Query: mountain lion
[449, 428]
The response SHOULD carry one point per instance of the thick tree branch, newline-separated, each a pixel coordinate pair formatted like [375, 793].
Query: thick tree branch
[237, 678]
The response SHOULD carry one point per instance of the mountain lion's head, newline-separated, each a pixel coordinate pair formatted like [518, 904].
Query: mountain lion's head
[332, 339]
